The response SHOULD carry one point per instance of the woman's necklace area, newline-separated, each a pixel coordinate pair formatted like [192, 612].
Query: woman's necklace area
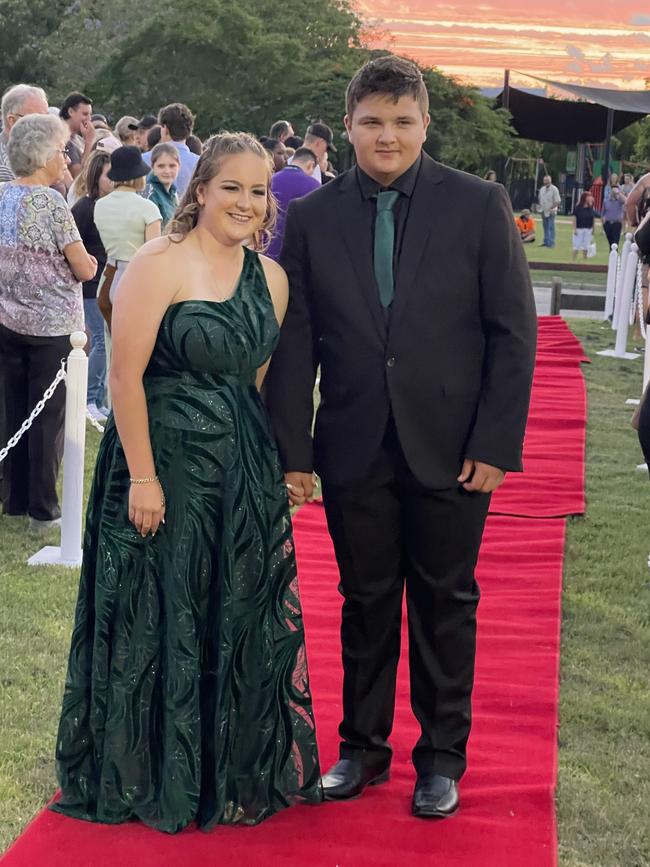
[216, 272]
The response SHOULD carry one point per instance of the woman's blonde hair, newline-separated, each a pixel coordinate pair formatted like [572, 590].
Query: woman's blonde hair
[216, 150]
[137, 184]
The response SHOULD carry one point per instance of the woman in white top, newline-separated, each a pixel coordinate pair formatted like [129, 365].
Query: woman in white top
[124, 220]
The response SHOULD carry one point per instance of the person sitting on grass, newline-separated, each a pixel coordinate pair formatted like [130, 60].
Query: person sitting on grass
[583, 225]
[526, 226]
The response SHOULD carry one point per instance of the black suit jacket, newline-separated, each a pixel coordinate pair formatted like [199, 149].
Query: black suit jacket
[453, 362]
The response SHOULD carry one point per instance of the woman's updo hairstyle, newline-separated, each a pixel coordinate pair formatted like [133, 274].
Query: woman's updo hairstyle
[216, 149]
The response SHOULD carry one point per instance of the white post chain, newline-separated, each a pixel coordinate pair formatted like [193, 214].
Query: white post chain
[639, 300]
[612, 269]
[38, 409]
[627, 284]
[69, 553]
[94, 422]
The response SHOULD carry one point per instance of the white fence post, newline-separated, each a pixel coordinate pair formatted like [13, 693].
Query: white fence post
[625, 252]
[69, 554]
[624, 306]
[628, 283]
[612, 268]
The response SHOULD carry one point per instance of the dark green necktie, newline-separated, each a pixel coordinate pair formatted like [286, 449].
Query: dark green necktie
[385, 245]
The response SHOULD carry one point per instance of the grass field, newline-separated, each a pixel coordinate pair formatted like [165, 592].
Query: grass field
[604, 776]
[562, 251]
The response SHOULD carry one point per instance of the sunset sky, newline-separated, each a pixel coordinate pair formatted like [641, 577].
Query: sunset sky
[585, 41]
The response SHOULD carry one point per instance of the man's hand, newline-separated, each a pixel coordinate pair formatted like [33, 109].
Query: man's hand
[87, 131]
[483, 478]
[300, 487]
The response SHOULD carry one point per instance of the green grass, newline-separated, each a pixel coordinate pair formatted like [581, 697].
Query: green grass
[604, 781]
[36, 608]
[562, 252]
[604, 777]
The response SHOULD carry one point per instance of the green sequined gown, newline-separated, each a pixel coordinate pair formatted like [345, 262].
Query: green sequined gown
[187, 696]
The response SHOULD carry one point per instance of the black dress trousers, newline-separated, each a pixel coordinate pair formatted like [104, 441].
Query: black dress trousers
[28, 365]
[389, 531]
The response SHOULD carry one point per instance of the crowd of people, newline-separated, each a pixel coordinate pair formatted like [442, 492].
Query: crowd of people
[87, 193]
[618, 212]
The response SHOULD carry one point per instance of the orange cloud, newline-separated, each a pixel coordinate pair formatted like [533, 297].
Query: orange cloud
[475, 42]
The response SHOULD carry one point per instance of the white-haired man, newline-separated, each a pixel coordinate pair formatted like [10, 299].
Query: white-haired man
[17, 101]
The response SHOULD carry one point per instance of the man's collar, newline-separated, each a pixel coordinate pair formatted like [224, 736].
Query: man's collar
[180, 145]
[405, 184]
[292, 167]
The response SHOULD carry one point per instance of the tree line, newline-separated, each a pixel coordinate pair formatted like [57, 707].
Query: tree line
[238, 65]
[242, 64]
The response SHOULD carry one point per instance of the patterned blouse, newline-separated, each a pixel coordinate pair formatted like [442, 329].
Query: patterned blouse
[39, 294]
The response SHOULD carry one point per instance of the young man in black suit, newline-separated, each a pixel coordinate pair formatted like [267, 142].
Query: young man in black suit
[425, 336]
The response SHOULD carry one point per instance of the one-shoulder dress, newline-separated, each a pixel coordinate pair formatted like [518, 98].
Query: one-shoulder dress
[187, 697]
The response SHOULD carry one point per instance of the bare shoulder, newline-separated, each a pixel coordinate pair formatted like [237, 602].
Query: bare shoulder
[163, 257]
[158, 268]
[274, 273]
[164, 247]
[278, 284]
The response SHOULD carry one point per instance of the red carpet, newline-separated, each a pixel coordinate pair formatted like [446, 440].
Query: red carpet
[508, 817]
[554, 449]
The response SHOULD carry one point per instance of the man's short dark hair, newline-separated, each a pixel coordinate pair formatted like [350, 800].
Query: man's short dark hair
[71, 101]
[303, 155]
[280, 127]
[178, 119]
[294, 141]
[390, 75]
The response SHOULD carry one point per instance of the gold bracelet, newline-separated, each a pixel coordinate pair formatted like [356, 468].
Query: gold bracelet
[144, 481]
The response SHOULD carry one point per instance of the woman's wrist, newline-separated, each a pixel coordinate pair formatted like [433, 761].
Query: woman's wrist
[144, 480]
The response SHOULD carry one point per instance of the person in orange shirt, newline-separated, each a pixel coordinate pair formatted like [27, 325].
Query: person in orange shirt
[526, 226]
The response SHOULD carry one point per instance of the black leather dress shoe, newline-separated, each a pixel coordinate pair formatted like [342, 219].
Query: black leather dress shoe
[349, 777]
[435, 797]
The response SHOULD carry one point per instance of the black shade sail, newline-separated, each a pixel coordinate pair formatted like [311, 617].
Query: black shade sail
[564, 121]
[619, 100]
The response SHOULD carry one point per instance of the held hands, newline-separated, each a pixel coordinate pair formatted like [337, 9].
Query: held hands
[147, 507]
[300, 488]
[483, 478]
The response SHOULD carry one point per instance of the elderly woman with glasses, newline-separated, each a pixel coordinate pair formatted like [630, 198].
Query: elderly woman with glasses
[17, 101]
[42, 264]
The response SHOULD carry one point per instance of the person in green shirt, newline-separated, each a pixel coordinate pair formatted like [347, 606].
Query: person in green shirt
[161, 189]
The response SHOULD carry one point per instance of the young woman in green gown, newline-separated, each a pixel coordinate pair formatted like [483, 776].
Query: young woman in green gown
[187, 697]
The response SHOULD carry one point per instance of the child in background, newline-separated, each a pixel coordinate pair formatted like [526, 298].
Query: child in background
[583, 225]
[161, 187]
[526, 226]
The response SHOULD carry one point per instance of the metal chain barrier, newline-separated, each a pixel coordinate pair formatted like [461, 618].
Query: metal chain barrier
[38, 409]
[94, 422]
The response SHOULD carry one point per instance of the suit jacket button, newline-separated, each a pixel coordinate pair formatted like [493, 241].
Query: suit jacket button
[391, 361]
